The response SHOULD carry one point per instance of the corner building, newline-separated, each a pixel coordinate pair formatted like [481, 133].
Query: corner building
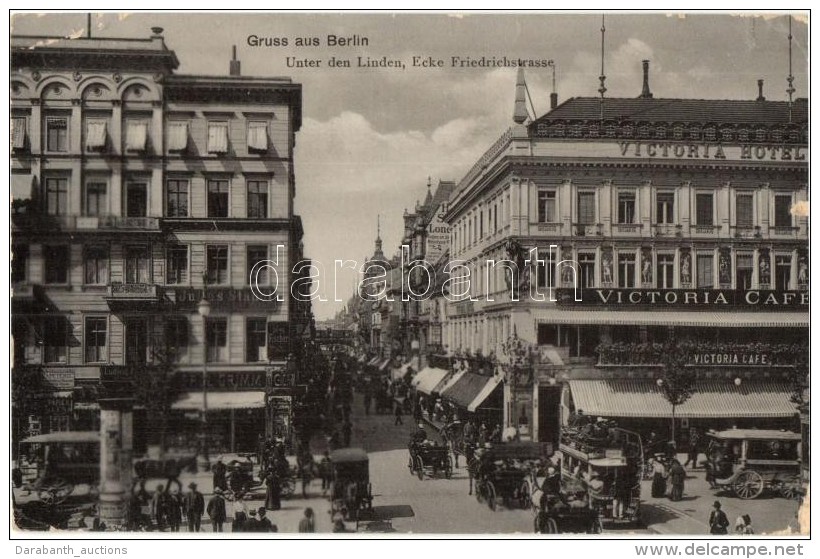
[137, 192]
[678, 220]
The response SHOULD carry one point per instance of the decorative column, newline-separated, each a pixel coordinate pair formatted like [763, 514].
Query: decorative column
[115, 458]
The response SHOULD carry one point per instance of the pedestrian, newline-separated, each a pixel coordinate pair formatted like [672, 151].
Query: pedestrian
[216, 510]
[307, 525]
[307, 473]
[174, 510]
[264, 524]
[495, 437]
[219, 470]
[694, 448]
[659, 475]
[718, 523]
[367, 401]
[260, 449]
[347, 431]
[159, 508]
[252, 523]
[399, 413]
[194, 507]
[325, 472]
[240, 512]
[273, 492]
[483, 434]
[677, 476]
[743, 525]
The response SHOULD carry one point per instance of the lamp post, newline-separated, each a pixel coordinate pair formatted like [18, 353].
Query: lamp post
[203, 463]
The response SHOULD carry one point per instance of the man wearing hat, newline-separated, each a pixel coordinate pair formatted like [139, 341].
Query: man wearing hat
[216, 510]
[264, 524]
[718, 523]
[194, 507]
[252, 523]
[420, 435]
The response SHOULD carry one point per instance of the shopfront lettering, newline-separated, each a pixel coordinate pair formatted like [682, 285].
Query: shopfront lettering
[674, 150]
[762, 359]
[772, 300]
[217, 380]
[219, 298]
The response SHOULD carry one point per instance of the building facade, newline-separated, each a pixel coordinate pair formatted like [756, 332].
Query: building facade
[139, 192]
[619, 226]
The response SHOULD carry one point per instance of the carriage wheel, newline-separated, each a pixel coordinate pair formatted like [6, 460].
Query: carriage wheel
[491, 496]
[748, 485]
[419, 467]
[545, 524]
[448, 467]
[524, 494]
[480, 490]
[56, 492]
[410, 465]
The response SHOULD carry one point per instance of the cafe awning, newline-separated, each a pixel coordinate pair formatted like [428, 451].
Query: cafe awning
[485, 393]
[221, 400]
[471, 390]
[427, 379]
[757, 319]
[709, 399]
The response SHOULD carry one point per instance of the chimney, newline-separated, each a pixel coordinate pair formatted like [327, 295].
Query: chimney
[646, 94]
[553, 100]
[520, 113]
[760, 91]
[157, 32]
[234, 66]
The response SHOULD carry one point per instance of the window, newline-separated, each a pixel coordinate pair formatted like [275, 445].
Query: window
[18, 133]
[58, 423]
[137, 265]
[136, 342]
[56, 263]
[217, 257]
[744, 264]
[546, 206]
[258, 136]
[586, 261]
[495, 218]
[706, 273]
[626, 207]
[256, 254]
[744, 210]
[57, 195]
[218, 198]
[782, 210]
[256, 346]
[177, 136]
[136, 199]
[258, 199]
[782, 272]
[96, 134]
[704, 209]
[57, 134]
[546, 269]
[95, 333]
[666, 271]
[55, 340]
[136, 135]
[626, 270]
[665, 208]
[96, 198]
[19, 263]
[96, 265]
[217, 137]
[177, 198]
[177, 264]
[586, 208]
[216, 335]
[176, 335]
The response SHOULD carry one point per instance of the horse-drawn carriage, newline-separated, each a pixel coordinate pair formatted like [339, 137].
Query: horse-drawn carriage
[59, 463]
[502, 471]
[429, 456]
[749, 461]
[350, 491]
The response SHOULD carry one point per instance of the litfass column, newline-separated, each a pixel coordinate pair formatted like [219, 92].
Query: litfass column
[116, 420]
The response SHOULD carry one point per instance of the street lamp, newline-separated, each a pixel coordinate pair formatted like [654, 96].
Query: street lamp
[203, 463]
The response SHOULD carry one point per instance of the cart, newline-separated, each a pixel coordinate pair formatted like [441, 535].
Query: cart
[502, 471]
[350, 491]
[750, 461]
[431, 457]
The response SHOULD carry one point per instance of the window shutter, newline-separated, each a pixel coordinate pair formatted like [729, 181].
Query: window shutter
[177, 136]
[136, 135]
[258, 136]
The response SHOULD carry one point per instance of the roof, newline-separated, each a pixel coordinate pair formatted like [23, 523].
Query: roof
[718, 111]
[348, 455]
[442, 195]
[709, 399]
[65, 437]
[757, 434]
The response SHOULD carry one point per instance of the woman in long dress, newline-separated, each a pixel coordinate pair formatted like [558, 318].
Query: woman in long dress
[273, 492]
[658, 477]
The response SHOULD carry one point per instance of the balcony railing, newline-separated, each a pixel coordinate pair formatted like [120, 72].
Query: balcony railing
[745, 231]
[627, 228]
[549, 227]
[783, 231]
[667, 230]
[588, 229]
[85, 223]
[705, 229]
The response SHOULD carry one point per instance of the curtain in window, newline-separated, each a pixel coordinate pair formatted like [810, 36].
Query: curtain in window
[18, 133]
[744, 211]
[217, 138]
[177, 136]
[136, 135]
[95, 134]
[258, 136]
[586, 208]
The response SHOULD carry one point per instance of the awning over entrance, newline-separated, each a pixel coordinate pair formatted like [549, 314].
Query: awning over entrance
[221, 401]
[427, 379]
[469, 391]
[675, 318]
[449, 381]
[710, 399]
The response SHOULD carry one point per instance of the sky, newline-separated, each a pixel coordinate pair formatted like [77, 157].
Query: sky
[371, 137]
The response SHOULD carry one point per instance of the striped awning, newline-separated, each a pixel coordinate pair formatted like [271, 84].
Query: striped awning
[466, 391]
[449, 381]
[710, 399]
[427, 379]
[485, 393]
[675, 318]
[221, 400]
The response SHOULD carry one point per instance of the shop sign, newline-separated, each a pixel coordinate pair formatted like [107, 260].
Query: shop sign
[59, 379]
[280, 378]
[279, 336]
[691, 298]
[220, 298]
[223, 380]
[732, 358]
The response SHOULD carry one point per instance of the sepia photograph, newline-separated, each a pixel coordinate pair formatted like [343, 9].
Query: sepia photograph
[350, 275]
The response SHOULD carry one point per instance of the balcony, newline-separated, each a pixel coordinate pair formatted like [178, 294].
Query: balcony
[705, 230]
[667, 230]
[132, 296]
[627, 229]
[783, 232]
[745, 231]
[552, 228]
[588, 229]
